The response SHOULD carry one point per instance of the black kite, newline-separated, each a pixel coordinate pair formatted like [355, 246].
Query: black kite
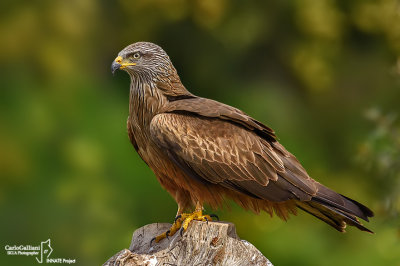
[203, 151]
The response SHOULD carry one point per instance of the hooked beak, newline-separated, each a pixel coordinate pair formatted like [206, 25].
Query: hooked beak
[115, 66]
[120, 63]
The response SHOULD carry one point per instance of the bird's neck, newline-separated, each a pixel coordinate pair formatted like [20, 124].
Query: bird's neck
[145, 101]
[149, 96]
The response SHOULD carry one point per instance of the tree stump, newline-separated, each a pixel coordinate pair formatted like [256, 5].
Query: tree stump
[212, 243]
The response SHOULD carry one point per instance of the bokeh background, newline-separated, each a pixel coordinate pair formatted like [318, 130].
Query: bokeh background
[324, 74]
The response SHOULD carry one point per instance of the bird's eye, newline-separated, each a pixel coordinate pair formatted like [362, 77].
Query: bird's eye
[136, 55]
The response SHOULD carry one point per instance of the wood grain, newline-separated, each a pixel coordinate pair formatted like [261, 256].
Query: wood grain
[215, 243]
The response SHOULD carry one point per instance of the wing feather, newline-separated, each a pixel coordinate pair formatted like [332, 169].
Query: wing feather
[217, 151]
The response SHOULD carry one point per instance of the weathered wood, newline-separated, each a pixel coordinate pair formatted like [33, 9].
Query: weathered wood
[215, 243]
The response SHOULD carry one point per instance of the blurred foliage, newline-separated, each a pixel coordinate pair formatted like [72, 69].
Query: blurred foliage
[380, 155]
[309, 69]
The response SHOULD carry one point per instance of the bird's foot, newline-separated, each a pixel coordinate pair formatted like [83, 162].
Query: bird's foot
[175, 227]
[196, 215]
[182, 222]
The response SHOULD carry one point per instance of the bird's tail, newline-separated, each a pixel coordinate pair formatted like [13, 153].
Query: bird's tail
[336, 210]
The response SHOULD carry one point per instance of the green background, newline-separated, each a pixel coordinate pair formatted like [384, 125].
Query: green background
[324, 74]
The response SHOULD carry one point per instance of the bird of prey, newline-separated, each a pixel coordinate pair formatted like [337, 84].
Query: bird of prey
[204, 152]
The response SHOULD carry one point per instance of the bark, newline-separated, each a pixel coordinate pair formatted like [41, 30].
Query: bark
[215, 243]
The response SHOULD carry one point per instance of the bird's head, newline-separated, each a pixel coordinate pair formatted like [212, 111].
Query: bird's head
[143, 59]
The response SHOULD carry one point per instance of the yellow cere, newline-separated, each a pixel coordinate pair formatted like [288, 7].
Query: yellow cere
[119, 60]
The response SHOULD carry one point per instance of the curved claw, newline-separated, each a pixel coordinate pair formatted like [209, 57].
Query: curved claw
[167, 234]
[214, 216]
[181, 231]
[177, 217]
[206, 219]
[151, 241]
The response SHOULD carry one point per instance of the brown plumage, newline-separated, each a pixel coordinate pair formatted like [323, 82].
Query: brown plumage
[203, 151]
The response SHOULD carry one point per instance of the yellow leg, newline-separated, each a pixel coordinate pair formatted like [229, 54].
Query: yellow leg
[183, 220]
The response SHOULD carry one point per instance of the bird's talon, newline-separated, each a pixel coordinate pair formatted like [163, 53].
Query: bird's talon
[151, 241]
[177, 217]
[182, 222]
[214, 216]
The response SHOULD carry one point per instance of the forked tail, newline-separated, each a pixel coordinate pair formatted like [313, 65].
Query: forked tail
[336, 210]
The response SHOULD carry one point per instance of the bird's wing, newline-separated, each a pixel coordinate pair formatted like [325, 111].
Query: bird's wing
[220, 144]
[209, 108]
